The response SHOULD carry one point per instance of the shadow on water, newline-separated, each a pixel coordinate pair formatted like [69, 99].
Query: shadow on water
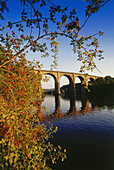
[86, 130]
[103, 101]
[88, 104]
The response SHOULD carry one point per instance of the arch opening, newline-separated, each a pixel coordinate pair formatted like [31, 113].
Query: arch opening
[65, 85]
[48, 83]
[79, 85]
[90, 81]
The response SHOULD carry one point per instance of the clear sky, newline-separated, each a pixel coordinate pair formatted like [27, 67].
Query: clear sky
[103, 20]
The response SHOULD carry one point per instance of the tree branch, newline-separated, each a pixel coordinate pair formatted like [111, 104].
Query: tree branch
[90, 15]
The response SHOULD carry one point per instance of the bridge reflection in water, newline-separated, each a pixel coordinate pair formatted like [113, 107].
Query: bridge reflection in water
[73, 110]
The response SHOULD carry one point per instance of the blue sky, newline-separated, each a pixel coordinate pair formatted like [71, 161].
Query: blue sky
[103, 20]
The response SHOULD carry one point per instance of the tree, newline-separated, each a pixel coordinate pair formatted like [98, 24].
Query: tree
[24, 139]
[64, 25]
[109, 80]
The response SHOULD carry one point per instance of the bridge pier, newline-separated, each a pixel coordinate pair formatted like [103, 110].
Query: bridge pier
[57, 87]
[57, 111]
[72, 91]
[71, 76]
[72, 87]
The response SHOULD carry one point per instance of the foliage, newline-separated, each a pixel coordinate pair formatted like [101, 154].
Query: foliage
[65, 25]
[102, 87]
[24, 140]
[103, 81]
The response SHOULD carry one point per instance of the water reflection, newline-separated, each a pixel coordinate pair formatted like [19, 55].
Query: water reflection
[103, 101]
[89, 140]
[60, 111]
[79, 105]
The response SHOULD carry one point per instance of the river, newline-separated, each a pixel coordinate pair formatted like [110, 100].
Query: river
[86, 131]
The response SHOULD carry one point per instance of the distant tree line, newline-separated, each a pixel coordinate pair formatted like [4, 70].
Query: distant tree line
[102, 86]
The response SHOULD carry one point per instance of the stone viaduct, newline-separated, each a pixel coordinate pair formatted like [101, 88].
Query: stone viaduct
[84, 78]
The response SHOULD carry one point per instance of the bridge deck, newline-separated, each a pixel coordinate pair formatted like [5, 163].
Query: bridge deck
[66, 72]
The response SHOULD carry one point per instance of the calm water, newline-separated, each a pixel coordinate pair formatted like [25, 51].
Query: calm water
[86, 131]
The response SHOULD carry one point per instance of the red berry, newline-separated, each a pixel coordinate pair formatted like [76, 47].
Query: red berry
[13, 32]
[76, 23]
[14, 41]
[67, 25]
[22, 37]
[15, 143]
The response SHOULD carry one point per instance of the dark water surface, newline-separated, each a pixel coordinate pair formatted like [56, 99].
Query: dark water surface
[86, 131]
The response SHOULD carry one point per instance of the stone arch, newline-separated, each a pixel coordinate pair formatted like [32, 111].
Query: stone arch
[50, 74]
[71, 83]
[81, 78]
[80, 88]
[55, 79]
[91, 80]
[68, 76]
